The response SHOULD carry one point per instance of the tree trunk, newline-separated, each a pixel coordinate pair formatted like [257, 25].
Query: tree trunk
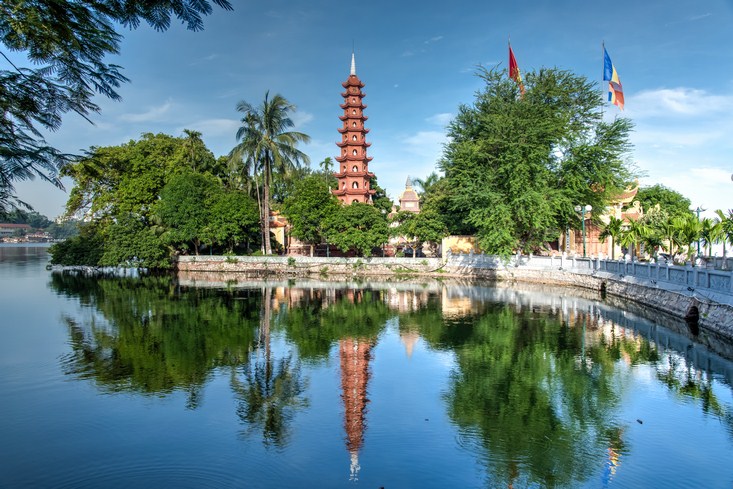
[266, 210]
[613, 249]
[311, 250]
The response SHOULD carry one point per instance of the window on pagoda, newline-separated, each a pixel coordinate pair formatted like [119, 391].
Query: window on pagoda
[355, 168]
[355, 201]
[355, 185]
[353, 152]
[354, 137]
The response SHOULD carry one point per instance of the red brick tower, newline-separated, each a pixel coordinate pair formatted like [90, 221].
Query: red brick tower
[354, 178]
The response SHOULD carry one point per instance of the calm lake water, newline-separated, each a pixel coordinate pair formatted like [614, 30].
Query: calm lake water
[146, 382]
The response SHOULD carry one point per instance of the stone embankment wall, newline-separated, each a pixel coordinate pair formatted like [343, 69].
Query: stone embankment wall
[306, 266]
[680, 291]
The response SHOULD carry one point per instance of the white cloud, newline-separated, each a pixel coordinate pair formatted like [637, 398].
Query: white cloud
[433, 39]
[708, 187]
[677, 102]
[301, 118]
[153, 114]
[426, 144]
[441, 120]
[213, 127]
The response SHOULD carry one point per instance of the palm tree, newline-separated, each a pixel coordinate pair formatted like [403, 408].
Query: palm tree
[708, 234]
[266, 146]
[427, 183]
[631, 236]
[612, 230]
[687, 232]
[724, 230]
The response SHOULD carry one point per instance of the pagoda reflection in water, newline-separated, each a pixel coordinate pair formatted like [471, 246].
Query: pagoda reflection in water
[355, 354]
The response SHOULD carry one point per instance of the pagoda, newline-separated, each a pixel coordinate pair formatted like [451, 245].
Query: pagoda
[354, 178]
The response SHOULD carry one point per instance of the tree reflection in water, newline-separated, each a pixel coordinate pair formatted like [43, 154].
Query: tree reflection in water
[536, 390]
[270, 390]
[148, 336]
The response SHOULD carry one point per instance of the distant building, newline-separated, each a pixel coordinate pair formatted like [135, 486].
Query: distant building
[9, 230]
[409, 200]
[354, 177]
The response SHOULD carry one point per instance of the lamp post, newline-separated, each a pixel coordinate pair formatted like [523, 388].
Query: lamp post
[698, 211]
[582, 210]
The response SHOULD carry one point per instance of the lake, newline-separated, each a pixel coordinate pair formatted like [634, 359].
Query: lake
[156, 382]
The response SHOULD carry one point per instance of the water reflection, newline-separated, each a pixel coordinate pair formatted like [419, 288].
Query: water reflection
[538, 384]
[269, 390]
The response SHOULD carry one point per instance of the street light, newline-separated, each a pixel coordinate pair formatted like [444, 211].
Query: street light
[582, 209]
[698, 211]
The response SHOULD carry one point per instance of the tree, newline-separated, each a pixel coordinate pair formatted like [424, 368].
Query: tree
[117, 190]
[612, 230]
[65, 43]
[708, 234]
[359, 227]
[724, 231]
[517, 165]
[266, 146]
[426, 184]
[234, 219]
[309, 208]
[426, 226]
[687, 231]
[184, 208]
[670, 201]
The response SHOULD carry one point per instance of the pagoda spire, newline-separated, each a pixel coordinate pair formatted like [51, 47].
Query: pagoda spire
[353, 64]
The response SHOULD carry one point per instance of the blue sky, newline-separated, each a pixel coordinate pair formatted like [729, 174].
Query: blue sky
[418, 60]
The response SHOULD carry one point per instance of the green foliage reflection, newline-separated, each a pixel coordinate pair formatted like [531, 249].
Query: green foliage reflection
[149, 336]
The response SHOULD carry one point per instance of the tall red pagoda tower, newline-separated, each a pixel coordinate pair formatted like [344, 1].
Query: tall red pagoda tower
[354, 178]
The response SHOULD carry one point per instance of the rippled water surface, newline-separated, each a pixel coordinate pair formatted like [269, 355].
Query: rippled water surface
[212, 381]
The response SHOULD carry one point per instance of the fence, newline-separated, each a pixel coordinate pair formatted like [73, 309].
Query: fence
[684, 277]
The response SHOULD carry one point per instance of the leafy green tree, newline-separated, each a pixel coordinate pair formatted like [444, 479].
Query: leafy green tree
[426, 226]
[86, 248]
[184, 208]
[309, 208]
[196, 155]
[359, 227]
[266, 146]
[612, 230]
[517, 165]
[130, 241]
[670, 201]
[65, 43]
[234, 219]
[380, 199]
[63, 230]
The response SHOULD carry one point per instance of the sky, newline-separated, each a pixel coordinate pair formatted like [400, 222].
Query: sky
[418, 61]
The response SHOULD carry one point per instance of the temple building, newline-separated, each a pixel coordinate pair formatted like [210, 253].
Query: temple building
[354, 178]
[409, 200]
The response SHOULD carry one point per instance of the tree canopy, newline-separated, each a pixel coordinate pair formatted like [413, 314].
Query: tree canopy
[671, 201]
[516, 165]
[64, 43]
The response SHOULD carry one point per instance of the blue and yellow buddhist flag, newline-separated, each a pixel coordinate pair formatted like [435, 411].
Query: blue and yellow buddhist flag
[615, 90]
